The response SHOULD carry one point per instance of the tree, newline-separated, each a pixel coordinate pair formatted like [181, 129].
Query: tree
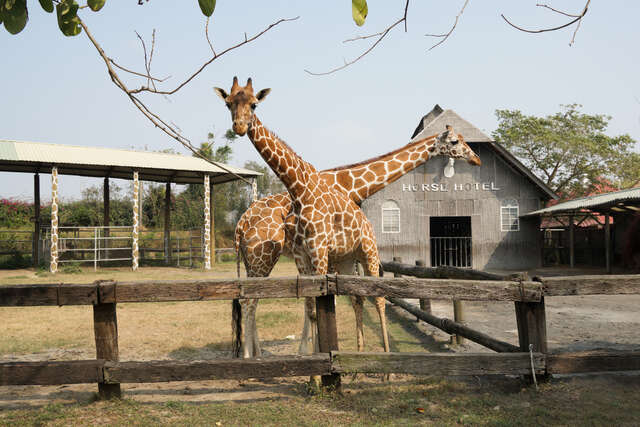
[569, 150]
[268, 183]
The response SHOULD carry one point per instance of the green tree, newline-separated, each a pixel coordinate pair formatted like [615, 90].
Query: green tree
[268, 183]
[569, 150]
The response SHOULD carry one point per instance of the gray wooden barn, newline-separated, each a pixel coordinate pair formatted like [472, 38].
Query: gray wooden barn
[473, 219]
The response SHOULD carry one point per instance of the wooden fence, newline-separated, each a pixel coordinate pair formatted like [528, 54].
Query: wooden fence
[109, 372]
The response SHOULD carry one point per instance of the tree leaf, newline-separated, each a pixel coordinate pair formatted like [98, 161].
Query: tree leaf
[359, 10]
[207, 6]
[96, 5]
[68, 21]
[15, 15]
[47, 5]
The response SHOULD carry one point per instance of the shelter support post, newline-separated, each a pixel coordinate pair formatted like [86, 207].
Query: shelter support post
[212, 226]
[167, 223]
[572, 242]
[607, 242]
[106, 212]
[207, 223]
[54, 220]
[328, 335]
[35, 254]
[136, 220]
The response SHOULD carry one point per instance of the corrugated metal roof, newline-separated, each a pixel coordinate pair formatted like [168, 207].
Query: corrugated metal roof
[591, 202]
[21, 156]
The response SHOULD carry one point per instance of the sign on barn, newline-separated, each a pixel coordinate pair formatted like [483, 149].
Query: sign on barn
[471, 218]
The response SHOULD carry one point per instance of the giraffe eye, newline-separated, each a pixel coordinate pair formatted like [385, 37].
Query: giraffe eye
[253, 106]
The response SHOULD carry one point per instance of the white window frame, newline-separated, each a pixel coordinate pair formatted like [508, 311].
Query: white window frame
[508, 220]
[390, 207]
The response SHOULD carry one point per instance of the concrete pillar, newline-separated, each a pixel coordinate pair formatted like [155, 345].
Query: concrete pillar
[136, 219]
[53, 267]
[167, 223]
[207, 223]
[212, 226]
[35, 255]
[254, 189]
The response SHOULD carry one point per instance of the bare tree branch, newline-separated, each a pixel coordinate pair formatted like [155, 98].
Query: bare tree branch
[557, 11]
[578, 19]
[146, 111]
[381, 35]
[446, 35]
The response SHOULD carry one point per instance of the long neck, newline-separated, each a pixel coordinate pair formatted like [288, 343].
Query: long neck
[363, 179]
[296, 174]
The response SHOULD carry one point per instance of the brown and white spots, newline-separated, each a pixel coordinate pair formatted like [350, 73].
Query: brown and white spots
[53, 267]
[136, 220]
[207, 223]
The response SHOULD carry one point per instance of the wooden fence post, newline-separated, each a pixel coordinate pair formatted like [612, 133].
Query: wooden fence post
[328, 335]
[105, 328]
[532, 327]
[425, 303]
[458, 317]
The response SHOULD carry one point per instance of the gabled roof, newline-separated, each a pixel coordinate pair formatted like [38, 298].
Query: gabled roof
[435, 121]
[620, 201]
[20, 156]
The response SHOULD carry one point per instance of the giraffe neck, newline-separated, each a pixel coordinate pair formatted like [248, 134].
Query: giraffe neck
[363, 179]
[296, 174]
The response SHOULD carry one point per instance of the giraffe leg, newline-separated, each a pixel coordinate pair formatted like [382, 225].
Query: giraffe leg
[381, 307]
[247, 339]
[309, 338]
[253, 306]
[237, 332]
[357, 303]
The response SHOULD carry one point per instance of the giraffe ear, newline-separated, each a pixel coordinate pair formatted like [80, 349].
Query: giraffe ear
[221, 93]
[262, 94]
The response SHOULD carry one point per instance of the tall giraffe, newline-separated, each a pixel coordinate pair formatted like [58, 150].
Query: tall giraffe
[260, 233]
[327, 229]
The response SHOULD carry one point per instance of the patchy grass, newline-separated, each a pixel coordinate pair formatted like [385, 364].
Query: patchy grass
[404, 401]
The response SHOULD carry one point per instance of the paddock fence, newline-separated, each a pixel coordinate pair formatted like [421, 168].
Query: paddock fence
[531, 357]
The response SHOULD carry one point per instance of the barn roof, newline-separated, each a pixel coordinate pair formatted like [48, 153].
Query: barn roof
[435, 122]
[21, 156]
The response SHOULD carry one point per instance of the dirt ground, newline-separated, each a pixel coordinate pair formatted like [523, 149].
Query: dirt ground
[573, 324]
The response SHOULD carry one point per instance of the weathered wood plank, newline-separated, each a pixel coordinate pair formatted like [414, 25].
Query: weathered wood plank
[591, 285]
[51, 373]
[171, 370]
[440, 364]
[327, 334]
[593, 361]
[443, 272]
[105, 327]
[48, 294]
[219, 289]
[448, 289]
[454, 328]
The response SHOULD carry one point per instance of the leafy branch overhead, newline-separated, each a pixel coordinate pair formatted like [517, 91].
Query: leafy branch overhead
[15, 14]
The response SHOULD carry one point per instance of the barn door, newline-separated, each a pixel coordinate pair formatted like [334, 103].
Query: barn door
[450, 241]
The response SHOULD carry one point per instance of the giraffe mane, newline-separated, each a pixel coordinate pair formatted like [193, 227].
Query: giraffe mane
[374, 159]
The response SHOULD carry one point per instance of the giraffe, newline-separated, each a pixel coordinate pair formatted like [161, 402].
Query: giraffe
[260, 235]
[328, 230]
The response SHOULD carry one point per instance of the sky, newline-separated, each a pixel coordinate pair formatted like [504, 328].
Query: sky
[56, 89]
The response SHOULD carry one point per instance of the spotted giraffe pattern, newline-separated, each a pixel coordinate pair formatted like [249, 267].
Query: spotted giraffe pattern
[326, 228]
[207, 223]
[260, 233]
[53, 267]
[136, 222]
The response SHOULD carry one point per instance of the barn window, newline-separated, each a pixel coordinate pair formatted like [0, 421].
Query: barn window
[509, 212]
[390, 217]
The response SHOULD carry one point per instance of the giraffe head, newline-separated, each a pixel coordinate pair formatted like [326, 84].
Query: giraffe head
[242, 104]
[452, 145]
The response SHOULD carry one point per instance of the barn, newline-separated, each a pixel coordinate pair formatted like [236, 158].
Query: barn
[473, 219]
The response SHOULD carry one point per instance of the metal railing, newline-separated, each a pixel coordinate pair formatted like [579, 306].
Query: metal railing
[451, 252]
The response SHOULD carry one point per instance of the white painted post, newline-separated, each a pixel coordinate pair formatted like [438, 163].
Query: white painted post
[54, 220]
[95, 249]
[207, 224]
[254, 189]
[134, 234]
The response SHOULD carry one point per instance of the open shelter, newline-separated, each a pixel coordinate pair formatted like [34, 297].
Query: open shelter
[58, 159]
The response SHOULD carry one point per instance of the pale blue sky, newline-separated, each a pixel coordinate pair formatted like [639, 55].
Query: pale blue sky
[56, 89]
